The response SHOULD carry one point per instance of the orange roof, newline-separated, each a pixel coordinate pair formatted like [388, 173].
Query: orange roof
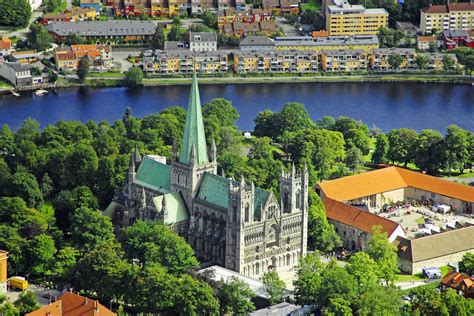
[389, 179]
[66, 55]
[83, 47]
[459, 282]
[5, 43]
[355, 217]
[320, 33]
[449, 8]
[70, 304]
[426, 38]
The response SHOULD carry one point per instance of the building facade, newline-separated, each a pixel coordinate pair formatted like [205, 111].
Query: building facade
[3, 272]
[16, 73]
[452, 16]
[364, 42]
[228, 223]
[381, 57]
[185, 62]
[278, 61]
[202, 41]
[343, 60]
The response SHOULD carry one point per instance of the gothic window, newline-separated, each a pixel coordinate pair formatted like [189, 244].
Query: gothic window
[286, 205]
[257, 268]
[298, 200]
[247, 212]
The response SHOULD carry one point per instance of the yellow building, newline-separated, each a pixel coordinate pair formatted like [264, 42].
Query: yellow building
[182, 62]
[453, 16]
[159, 7]
[176, 7]
[75, 14]
[379, 59]
[343, 60]
[346, 19]
[3, 271]
[278, 61]
[317, 44]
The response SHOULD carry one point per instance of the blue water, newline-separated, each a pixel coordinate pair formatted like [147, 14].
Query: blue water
[385, 105]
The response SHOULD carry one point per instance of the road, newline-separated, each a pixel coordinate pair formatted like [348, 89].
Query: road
[12, 295]
[21, 33]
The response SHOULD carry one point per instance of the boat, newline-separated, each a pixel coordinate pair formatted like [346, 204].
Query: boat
[41, 92]
[16, 94]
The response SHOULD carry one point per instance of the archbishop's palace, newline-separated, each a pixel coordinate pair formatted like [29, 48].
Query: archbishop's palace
[229, 223]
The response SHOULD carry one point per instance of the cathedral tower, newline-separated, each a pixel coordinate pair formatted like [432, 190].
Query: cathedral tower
[188, 167]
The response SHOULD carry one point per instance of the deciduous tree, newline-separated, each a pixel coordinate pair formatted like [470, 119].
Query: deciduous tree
[384, 254]
[274, 286]
[83, 68]
[26, 302]
[381, 149]
[90, 228]
[235, 297]
[134, 77]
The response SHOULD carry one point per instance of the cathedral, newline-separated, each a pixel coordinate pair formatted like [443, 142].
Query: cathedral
[227, 222]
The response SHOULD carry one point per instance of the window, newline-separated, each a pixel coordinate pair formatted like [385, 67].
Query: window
[433, 195]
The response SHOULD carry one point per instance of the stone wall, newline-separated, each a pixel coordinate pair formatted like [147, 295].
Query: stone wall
[417, 267]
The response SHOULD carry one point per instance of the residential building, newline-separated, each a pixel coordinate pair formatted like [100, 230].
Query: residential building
[16, 73]
[5, 47]
[107, 32]
[3, 272]
[450, 16]
[282, 6]
[241, 29]
[95, 4]
[277, 61]
[228, 223]
[346, 19]
[24, 57]
[132, 7]
[360, 42]
[75, 14]
[434, 250]
[178, 7]
[407, 28]
[69, 57]
[257, 44]
[354, 225]
[343, 60]
[182, 62]
[159, 7]
[426, 42]
[226, 18]
[71, 304]
[224, 4]
[380, 59]
[35, 4]
[455, 38]
[199, 6]
[175, 45]
[463, 284]
[436, 61]
[203, 41]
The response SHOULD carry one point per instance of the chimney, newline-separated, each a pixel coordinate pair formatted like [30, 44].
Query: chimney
[85, 300]
[96, 306]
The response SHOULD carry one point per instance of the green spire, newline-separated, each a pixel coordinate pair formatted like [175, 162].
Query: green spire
[194, 130]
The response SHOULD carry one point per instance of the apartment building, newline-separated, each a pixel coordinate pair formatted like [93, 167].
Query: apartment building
[452, 16]
[230, 16]
[159, 7]
[183, 62]
[199, 6]
[436, 61]
[343, 60]
[70, 15]
[424, 42]
[281, 61]
[132, 7]
[257, 44]
[281, 6]
[358, 42]
[16, 73]
[202, 41]
[380, 59]
[69, 57]
[95, 4]
[240, 29]
[343, 18]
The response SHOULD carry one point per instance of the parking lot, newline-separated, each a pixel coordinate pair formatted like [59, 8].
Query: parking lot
[42, 294]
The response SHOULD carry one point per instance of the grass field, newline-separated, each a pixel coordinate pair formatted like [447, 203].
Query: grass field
[419, 276]
[313, 5]
[107, 74]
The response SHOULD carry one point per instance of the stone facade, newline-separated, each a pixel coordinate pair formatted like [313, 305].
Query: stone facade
[228, 223]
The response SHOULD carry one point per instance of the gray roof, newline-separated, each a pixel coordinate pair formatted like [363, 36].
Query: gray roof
[406, 26]
[327, 41]
[437, 245]
[257, 41]
[278, 309]
[277, 53]
[204, 36]
[18, 66]
[455, 33]
[393, 50]
[343, 52]
[103, 28]
[174, 45]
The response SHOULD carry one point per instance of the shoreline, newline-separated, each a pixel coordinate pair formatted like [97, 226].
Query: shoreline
[110, 82]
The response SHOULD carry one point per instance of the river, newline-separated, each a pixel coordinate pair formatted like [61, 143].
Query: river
[385, 105]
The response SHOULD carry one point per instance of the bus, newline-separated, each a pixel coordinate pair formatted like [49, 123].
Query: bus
[18, 282]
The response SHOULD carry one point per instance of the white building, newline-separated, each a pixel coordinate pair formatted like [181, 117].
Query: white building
[16, 73]
[35, 4]
[202, 41]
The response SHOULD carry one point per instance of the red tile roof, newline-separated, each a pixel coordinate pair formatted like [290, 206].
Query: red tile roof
[355, 217]
[449, 8]
[389, 179]
[459, 282]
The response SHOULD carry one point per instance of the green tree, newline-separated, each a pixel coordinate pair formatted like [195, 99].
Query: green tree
[402, 145]
[466, 265]
[158, 39]
[456, 148]
[395, 61]
[265, 124]
[448, 63]
[74, 39]
[15, 213]
[15, 13]
[364, 269]
[53, 5]
[7, 308]
[235, 297]
[151, 243]
[429, 154]
[384, 254]
[83, 163]
[274, 286]
[39, 38]
[46, 185]
[308, 279]
[134, 77]
[7, 141]
[83, 68]
[422, 61]
[381, 149]
[321, 234]
[40, 253]
[293, 117]
[24, 185]
[89, 229]
[193, 297]
[457, 304]
[428, 301]
[176, 33]
[222, 110]
[26, 302]
[356, 133]
[337, 306]
[354, 159]
[11, 241]
[336, 282]
[380, 300]
[62, 265]
[209, 19]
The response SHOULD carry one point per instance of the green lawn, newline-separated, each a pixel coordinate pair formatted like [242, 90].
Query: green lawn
[48, 210]
[107, 74]
[420, 221]
[5, 84]
[312, 5]
[419, 276]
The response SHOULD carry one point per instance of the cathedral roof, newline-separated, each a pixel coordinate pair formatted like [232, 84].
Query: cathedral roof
[175, 205]
[154, 175]
[194, 136]
[214, 190]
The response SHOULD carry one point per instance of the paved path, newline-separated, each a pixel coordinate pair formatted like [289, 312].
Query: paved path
[40, 292]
